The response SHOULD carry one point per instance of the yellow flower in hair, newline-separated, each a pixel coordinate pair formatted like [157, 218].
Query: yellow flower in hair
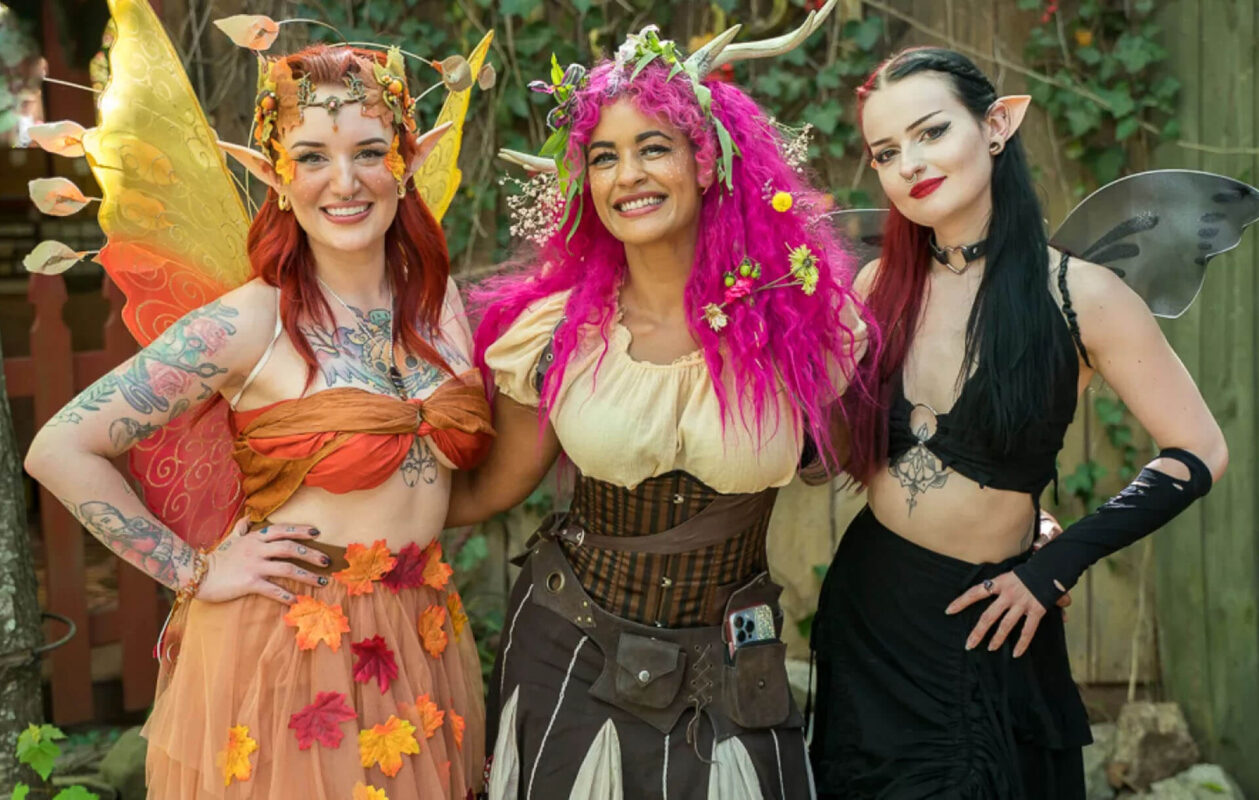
[782, 201]
[396, 163]
[284, 165]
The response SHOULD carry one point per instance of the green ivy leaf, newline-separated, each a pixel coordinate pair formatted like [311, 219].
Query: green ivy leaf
[37, 748]
[20, 792]
[473, 552]
[1082, 119]
[583, 6]
[825, 116]
[1088, 55]
[519, 8]
[1028, 5]
[1171, 130]
[864, 33]
[1135, 52]
[805, 626]
[75, 793]
[1126, 127]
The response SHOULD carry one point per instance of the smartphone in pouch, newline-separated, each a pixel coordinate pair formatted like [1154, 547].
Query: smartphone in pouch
[750, 625]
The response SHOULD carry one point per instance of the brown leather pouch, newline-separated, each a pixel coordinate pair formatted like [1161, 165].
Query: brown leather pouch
[645, 672]
[754, 686]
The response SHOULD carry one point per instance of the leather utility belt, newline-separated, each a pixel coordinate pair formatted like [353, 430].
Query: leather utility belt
[656, 674]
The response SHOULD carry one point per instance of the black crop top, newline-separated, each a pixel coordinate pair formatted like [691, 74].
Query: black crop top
[1032, 468]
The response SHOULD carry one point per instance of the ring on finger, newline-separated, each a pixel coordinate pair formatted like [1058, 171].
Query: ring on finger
[988, 586]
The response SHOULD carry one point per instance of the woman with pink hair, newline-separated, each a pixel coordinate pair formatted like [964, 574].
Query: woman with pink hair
[679, 336]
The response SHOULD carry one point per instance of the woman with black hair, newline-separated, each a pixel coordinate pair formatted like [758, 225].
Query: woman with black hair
[942, 661]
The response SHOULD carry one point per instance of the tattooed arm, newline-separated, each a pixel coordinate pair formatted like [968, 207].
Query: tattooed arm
[203, 353]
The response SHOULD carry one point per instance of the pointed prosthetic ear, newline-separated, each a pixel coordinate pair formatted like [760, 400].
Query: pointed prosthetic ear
[425, 146]
[1005, 115]
[257, 163]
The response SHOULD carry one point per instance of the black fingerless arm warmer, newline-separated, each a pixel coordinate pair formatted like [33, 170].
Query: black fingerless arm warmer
[1147, 504]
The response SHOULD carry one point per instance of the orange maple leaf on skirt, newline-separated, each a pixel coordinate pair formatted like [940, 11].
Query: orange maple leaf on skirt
[429, 714]
[364, 792]
[375, 660]
[456, 726]
[317, 622]
[367, 564]
[458, 617]
[386, 744]
[235, 757]
[320, 721]
[437, 572]
[432, 632]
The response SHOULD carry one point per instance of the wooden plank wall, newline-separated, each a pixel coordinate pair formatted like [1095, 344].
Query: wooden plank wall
[1208, 560]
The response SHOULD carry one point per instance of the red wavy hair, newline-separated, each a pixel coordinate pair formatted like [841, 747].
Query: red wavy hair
[894, 301]
[416, 261]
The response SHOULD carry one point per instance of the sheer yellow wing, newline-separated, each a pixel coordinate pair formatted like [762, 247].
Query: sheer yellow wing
[438, 177]
[173, 217]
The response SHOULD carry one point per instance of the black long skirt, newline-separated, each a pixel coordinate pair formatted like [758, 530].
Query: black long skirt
[904, 711]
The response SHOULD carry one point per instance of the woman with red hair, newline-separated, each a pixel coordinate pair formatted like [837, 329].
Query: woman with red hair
[329, 662]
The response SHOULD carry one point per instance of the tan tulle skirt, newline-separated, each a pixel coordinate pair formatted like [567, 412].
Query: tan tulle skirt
[259, 705]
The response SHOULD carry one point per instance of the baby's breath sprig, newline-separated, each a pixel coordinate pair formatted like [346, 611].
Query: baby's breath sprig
[536, 208]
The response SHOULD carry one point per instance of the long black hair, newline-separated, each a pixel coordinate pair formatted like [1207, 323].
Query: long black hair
[1010, 328]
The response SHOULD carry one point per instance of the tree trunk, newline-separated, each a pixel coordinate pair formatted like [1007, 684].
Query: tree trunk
[20, 700]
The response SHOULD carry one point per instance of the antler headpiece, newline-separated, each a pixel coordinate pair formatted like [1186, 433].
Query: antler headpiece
[638, 51]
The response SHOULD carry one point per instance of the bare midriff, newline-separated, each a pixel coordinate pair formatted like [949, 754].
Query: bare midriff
[960, 519]
[393, 511]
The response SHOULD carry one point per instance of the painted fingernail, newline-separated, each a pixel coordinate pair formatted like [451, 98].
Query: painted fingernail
[326, 561]
[314, 531]
[323, 581]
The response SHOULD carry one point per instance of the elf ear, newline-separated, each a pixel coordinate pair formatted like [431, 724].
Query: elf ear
[257, 163]
[425, 145]
[1005, 115]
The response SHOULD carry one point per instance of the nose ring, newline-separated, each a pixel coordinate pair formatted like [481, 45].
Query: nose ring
[912, 178]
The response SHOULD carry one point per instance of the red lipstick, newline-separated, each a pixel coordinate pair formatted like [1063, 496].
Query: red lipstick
[921, 190]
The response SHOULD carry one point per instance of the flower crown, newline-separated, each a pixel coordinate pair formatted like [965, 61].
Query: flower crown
[380, 89]
[632, 57]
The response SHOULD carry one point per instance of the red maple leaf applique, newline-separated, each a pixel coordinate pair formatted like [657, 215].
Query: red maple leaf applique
[375, 660]
[408, 572]
[320, 721]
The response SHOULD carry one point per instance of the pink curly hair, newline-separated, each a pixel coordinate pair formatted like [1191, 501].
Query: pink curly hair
[786, 340]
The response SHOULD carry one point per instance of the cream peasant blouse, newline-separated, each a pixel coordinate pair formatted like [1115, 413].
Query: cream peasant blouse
[635, 420]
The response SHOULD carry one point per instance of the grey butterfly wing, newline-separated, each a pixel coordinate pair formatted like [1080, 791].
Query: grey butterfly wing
[861, 230]
[1157, 230]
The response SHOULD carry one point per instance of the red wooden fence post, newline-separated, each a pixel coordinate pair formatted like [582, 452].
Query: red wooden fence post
[138, 596]
[51, 358]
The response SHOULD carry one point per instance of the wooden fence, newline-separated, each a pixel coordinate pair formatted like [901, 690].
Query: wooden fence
[51, 375]
[1208, 560]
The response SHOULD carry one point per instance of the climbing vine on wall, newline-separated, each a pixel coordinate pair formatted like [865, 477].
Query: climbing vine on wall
[1112, 96]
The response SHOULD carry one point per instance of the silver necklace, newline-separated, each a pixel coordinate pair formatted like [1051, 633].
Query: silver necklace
[395, 375]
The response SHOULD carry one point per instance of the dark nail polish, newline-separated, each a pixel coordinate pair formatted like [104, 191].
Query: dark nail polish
[314, 531]
[323, 581]
[326, 561]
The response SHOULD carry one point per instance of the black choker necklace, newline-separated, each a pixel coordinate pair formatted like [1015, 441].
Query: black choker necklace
[970, 252]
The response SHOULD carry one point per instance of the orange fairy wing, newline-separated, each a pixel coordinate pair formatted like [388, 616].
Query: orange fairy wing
[176, 231]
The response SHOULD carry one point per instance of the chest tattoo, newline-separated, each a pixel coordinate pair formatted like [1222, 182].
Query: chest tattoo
[918, 470]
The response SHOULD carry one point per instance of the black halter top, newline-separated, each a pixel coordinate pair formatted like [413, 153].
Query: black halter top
[1034, 465]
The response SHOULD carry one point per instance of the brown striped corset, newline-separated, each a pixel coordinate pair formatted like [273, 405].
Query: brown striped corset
[677, 591]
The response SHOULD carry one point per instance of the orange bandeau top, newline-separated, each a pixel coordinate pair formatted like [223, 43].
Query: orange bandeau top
[346, 439]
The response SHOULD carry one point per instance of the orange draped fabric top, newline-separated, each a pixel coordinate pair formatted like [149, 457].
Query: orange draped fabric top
[346, 439]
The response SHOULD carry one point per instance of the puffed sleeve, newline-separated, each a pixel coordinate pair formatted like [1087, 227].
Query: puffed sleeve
[514, 356]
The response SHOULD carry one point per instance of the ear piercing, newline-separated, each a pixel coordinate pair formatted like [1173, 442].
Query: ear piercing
[283, 202]
[996, 147]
